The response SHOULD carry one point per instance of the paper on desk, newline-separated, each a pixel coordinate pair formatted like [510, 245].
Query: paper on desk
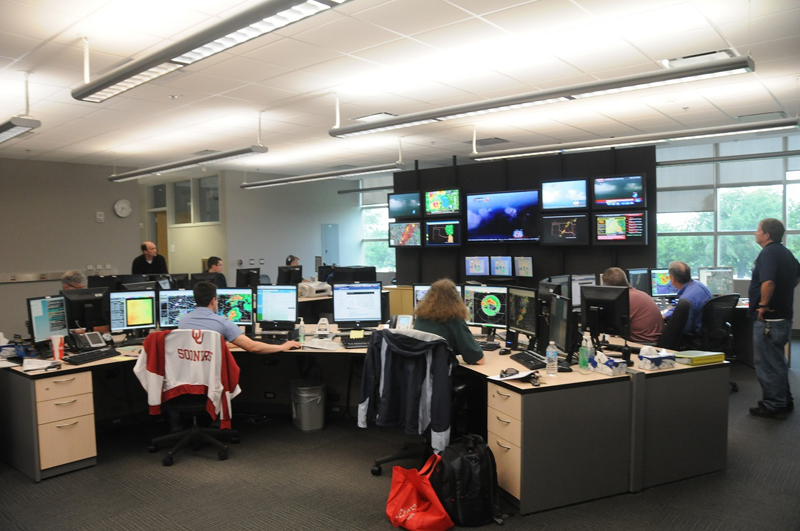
[5, 363]
[32, 364]
[517, 376]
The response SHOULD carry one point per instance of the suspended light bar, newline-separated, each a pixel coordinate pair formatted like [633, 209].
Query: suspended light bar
[15, 126]
[670, 76]
[189, 163]
[638, 140]
[250, 24]
[281, 181]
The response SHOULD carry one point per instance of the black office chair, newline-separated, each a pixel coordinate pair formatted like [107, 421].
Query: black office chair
[672, 335]
[716, 333]
[264, 280]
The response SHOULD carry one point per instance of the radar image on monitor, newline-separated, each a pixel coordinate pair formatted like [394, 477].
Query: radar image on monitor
[139, 311]
[487, 308]
[175, 307]
[237, 307]
[662, 284]
[522, 311]
[405, 234]
[441, 202]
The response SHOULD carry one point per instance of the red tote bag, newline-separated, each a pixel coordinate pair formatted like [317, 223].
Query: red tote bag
[412, 502]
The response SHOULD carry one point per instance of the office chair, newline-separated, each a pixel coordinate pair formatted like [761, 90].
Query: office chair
[716, 333]
[264, 280]
[397, 365]
[672, 335]
[174, 368]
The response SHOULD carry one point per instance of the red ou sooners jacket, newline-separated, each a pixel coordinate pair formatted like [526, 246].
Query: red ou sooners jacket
[196, 362]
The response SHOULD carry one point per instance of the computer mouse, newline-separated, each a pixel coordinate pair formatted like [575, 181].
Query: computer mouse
[295, 348]
[504, 351]
[564, 368]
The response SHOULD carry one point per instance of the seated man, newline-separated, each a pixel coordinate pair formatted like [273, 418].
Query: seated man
[149, 262]
[73, 280]
[215, 266]
[646, 321]
[205, 317]
[680, 274]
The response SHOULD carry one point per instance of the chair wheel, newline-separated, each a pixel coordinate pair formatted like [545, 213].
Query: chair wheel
[152, 449]
[376, 470]
[167, 461]
[223, 455]
[235, 439]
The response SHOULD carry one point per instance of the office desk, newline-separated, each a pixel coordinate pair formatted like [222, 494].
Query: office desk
[581, 437]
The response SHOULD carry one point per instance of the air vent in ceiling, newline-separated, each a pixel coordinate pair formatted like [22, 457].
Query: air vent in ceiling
[483, 142]
[761, 117]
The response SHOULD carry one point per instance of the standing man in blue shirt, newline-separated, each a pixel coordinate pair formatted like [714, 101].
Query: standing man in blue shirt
[775, 274]
[680, 275]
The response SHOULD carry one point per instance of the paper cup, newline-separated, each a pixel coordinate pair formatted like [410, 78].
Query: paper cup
[58, 347]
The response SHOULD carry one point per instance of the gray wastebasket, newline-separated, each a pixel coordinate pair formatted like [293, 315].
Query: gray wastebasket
[308, 404]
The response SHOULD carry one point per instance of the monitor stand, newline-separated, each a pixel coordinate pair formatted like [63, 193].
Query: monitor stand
[490, 333]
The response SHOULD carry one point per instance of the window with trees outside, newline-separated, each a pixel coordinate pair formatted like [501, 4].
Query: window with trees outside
[708, 212]
[375, 239]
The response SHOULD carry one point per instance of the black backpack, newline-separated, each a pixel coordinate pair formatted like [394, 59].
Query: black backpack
[465, 479]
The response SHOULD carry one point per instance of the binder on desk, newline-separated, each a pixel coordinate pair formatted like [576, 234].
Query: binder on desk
[699, 357]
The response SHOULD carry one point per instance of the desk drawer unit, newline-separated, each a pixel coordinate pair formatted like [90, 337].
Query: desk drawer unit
[64, 408]
[508, 459]
[61, 386]
[66, 441]
[504, 427]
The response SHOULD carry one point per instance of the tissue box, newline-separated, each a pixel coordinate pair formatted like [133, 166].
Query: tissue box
[608, 366]
[655, 362]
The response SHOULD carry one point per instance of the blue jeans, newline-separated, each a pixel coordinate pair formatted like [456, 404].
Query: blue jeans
[771, 367]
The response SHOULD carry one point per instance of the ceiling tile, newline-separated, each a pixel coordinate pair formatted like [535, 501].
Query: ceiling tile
[204, 83]
[541, 17]
[347, 35]
[292, 53]
[452, 36]
[243, 69]
[404, 16]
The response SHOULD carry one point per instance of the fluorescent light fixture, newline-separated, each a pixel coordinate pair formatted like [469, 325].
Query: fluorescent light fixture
[370, 118]
[323, 176]
[250, 24]
[15, 126]
[697, 58]
[638, 140]
[189, 163]
[670, 76]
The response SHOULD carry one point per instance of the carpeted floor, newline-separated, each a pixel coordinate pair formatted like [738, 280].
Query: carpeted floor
[280, 478]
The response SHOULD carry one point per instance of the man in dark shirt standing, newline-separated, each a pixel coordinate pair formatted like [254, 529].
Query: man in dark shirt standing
[149, 262]
[775, 274]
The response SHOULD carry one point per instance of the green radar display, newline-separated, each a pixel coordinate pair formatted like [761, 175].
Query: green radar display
[490, 305]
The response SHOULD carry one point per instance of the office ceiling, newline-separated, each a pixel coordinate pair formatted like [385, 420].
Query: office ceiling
[396, 56]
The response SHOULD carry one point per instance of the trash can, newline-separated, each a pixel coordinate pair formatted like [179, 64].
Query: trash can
[308, 404]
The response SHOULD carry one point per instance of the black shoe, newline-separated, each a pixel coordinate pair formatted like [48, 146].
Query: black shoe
[761, 411]
[790, 406]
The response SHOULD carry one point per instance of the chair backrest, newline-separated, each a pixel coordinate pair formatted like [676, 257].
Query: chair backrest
[717, 313]
[264, 280]
[673, 331]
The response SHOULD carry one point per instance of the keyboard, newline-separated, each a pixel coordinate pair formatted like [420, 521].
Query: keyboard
[322, 344]
[529, 359]
[91, 355]
[489, 345]
[349, 342]
[270, 341]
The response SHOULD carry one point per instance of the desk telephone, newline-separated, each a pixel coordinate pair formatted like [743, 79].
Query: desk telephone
[401, 322]
[87, 341]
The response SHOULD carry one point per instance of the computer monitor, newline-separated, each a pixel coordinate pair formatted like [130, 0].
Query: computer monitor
[132, 310]
[172, 305]
[203, 277]
[661, 285]
[619, 191]
[563, 325]
[405, 234]
[719, 280]
[442, 202]
[421, 289]
[347, 274]
[405, 205]
[503, 216]
[47, 317]
[86, 308]
[627, 228]
[290, 274]
[181, 280]
[501, 266]
[606, 310]
[639, 278]
[523, 266]
[486, 305]
[276, 306]
[562, 195]
[147, 285]
[572, 229]
[164, 280]
[443, 233]
[545, 292]
[476, 266]
[110, 282]
[357, 305]
[236, 304]
[578, 280]
[247, 278]
[565, 282]
[523, 313]
[131, 279]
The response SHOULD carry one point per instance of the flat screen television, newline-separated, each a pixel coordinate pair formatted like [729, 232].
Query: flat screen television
[572, 229]
[619, 191]
[443, 233]
[562, 195]
[523, 266]
[501, 266]
[476, 266]
[628, 228]
[503, 216]
[405, 234]
[405, 205]
[442, 202]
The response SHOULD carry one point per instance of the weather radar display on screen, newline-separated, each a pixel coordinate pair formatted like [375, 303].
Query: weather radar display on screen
[503, 216]
[613, 192]
[440, 202]
[405, 234]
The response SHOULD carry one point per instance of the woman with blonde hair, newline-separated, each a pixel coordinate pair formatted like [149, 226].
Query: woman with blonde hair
[442, 312]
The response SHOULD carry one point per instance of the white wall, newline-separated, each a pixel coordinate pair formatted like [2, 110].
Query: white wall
[48, 214]
[272, 223]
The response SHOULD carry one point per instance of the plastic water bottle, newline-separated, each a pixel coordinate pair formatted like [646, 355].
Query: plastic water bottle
[583, 357]
[552, 359]
[301, 331]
